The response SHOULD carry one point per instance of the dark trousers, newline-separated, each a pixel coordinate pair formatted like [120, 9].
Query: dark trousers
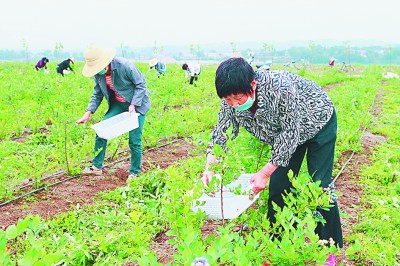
[320, 154]
[60, 71]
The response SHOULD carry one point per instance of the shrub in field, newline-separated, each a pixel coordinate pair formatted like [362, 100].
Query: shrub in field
[295, 242]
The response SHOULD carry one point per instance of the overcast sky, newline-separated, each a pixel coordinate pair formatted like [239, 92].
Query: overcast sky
[80, 23]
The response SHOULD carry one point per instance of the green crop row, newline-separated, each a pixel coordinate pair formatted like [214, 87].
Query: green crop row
[37, 130]
[123, 224]
[376, 238]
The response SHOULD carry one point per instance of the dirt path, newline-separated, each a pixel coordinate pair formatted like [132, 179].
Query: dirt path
[331, 86]
[348, 182]
[83, 190]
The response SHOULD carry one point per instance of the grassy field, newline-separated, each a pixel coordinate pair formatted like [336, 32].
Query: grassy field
[39, 137]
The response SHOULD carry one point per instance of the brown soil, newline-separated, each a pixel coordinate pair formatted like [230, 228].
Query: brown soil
[349, 187]
[83, 190]
[348, 182]
[330, 86]
[65, 196]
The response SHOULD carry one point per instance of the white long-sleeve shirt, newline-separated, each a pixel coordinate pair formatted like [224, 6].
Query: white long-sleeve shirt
[193, 69]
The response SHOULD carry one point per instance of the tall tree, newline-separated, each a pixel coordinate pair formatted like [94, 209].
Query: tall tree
[25, 47]
[312, 45]
[58, 50]
[155, 48]
[122, 49]
[269, 51]
[233, 47]
[347, 49]
[192, 50]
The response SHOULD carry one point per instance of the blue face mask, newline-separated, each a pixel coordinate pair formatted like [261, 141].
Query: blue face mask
[103, 71]
[249, 103]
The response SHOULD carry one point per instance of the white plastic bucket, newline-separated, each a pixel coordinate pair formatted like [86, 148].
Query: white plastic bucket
[116, 125]
[233, 204]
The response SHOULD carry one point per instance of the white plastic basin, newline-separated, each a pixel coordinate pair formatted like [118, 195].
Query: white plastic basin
[233, 205]
[116, 125]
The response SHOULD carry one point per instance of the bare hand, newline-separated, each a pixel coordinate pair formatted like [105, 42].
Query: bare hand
[83, 119]
[132, 109]
[259, 182]
[207, 177]
[260, 179]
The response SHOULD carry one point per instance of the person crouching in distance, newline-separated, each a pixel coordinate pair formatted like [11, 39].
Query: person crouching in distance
[192, 71]
[42, 64]
[65, 67]
[160, 67]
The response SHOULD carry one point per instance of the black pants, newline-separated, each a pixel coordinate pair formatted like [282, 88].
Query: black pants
[192, 78]
[320, 154]
[60, 71]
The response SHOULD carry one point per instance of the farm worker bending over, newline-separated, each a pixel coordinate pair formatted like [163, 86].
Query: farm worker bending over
[192, 71]
[332, 61]
[123, 86]
[293, 115]
[41, 63]
[65, 66]
[159, 66]
[266, 65]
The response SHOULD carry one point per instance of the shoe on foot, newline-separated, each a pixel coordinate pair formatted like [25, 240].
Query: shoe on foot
[131, 177]
[92, 170]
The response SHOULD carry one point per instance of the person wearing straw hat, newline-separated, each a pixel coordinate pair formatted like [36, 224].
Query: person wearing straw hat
[159, 66]
[65, 66]
[124, 87]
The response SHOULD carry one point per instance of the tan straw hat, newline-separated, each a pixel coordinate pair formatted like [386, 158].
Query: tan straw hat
[237, 55]
[153, 62]
[96, 59]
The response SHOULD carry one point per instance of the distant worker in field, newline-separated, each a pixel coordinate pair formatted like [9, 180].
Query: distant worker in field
[250, 59]
[160, 67]
[266, 65]
[124, 87]
[192, 71]
[42, 63]
[293, 115]
[332, 61]
[65, 66]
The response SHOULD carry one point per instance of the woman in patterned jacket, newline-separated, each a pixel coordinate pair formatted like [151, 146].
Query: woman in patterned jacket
[293, 115]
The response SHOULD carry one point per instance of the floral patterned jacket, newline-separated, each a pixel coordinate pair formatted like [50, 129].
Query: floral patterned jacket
[290, 111]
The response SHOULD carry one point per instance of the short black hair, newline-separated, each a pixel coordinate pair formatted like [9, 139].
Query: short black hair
[185, 66]
[234, 76]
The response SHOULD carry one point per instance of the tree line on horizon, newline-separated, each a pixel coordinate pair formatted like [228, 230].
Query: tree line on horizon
[313, 54]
